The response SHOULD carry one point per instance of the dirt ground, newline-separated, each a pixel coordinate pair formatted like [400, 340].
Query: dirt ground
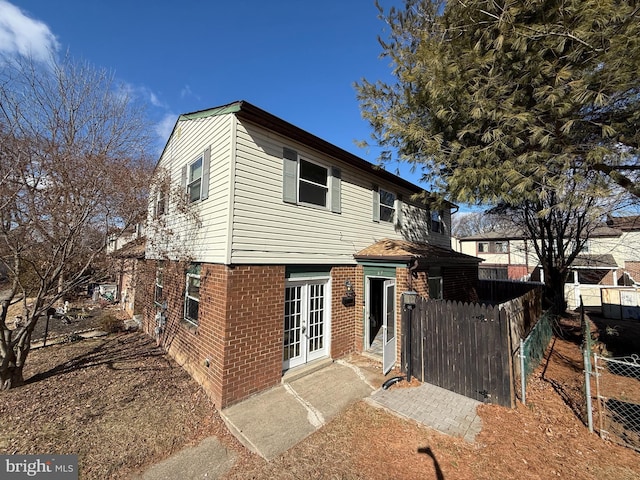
[122, 405]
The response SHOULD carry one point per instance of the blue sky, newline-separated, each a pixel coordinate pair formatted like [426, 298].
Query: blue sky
[297, 60]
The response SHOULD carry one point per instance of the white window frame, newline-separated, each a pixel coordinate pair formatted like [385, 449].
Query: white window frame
[392, 207]
[302, 181]
[187, 298]
[484, 249]
[191, 182]
[503, 244]
[161, 204]
[435, 218]
[159, 283]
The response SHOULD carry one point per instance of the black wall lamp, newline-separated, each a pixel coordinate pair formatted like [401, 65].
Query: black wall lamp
[349, 298]
[409, 300]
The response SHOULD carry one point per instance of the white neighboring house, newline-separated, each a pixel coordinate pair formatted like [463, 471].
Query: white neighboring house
[610, 257]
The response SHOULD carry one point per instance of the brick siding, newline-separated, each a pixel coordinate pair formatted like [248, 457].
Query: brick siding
[344, 318]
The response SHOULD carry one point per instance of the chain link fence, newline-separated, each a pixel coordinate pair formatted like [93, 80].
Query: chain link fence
[618, 395]
[532, 350]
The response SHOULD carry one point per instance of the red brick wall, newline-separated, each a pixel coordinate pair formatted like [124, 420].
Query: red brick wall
[344, 318]
[191, 346]
[516, 272]
[358, 312]
[254, 331]
[240, 328]
[633, 269]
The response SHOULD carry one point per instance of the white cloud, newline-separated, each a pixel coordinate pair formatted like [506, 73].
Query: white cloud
[187, 92]
[23, 35]
[164, 127]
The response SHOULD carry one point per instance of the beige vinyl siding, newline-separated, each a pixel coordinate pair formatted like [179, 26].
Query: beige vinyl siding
[265, 229]
[208, 241]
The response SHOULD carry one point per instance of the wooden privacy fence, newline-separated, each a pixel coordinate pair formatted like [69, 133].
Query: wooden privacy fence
[466, 348]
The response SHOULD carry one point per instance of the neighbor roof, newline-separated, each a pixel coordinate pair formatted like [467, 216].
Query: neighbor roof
[630, 223]
[594, 261]
[405, 251]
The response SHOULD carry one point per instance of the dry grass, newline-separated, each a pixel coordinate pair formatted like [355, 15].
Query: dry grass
[117, 401]
[122, 405]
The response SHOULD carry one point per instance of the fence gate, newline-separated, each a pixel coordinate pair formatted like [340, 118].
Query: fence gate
[618, 393]
[464, 348]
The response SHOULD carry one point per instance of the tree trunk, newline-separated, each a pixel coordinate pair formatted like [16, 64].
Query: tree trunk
[12, 364]
[11, 371]
[554, 291]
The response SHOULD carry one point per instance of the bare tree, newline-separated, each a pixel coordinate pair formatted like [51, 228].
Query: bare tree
[473, 223]
[73, 171]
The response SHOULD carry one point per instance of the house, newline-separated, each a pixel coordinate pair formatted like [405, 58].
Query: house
[126, 268]
[506, 255]
[269, 248]
[609, 257]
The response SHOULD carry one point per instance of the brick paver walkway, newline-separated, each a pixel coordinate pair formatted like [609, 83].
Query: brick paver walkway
[435, 407]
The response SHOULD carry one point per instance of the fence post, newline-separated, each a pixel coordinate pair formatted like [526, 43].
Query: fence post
[586, 353]
[523, 375]
[587, 389]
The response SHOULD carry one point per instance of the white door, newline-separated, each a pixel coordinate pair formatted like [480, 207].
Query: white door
[389, 326]
[305, 323]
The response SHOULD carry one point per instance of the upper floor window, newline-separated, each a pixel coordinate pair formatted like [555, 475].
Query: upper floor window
[313, 185]
[501, 247]
[387, 206]
[195, 177]
[310, 183]
[192, 295]
[161, 204]
[194, 185]
[436, 222]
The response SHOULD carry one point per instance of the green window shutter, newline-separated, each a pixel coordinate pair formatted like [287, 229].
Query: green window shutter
[289, 175]
[183, 181]
[336, 183]
[398, 206]
[376, 203]
[206, 167]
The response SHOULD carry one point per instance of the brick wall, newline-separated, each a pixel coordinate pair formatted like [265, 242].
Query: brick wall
[633, 269]
[358, 312]
[516, 272]
[343, 318]
[254, 331]
[236, 349]
[199, 350]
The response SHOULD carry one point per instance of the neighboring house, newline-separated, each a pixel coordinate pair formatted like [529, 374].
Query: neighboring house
[127, 267]
[609, 257]
[506, 255]
[281, 249]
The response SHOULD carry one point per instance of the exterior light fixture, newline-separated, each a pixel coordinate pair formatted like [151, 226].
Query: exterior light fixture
[409, 300]
[349, 298]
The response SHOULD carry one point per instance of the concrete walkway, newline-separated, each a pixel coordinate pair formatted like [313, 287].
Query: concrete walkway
[272, 422]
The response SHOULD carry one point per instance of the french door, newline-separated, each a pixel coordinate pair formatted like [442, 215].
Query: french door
[305, 322]
[389, 326]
